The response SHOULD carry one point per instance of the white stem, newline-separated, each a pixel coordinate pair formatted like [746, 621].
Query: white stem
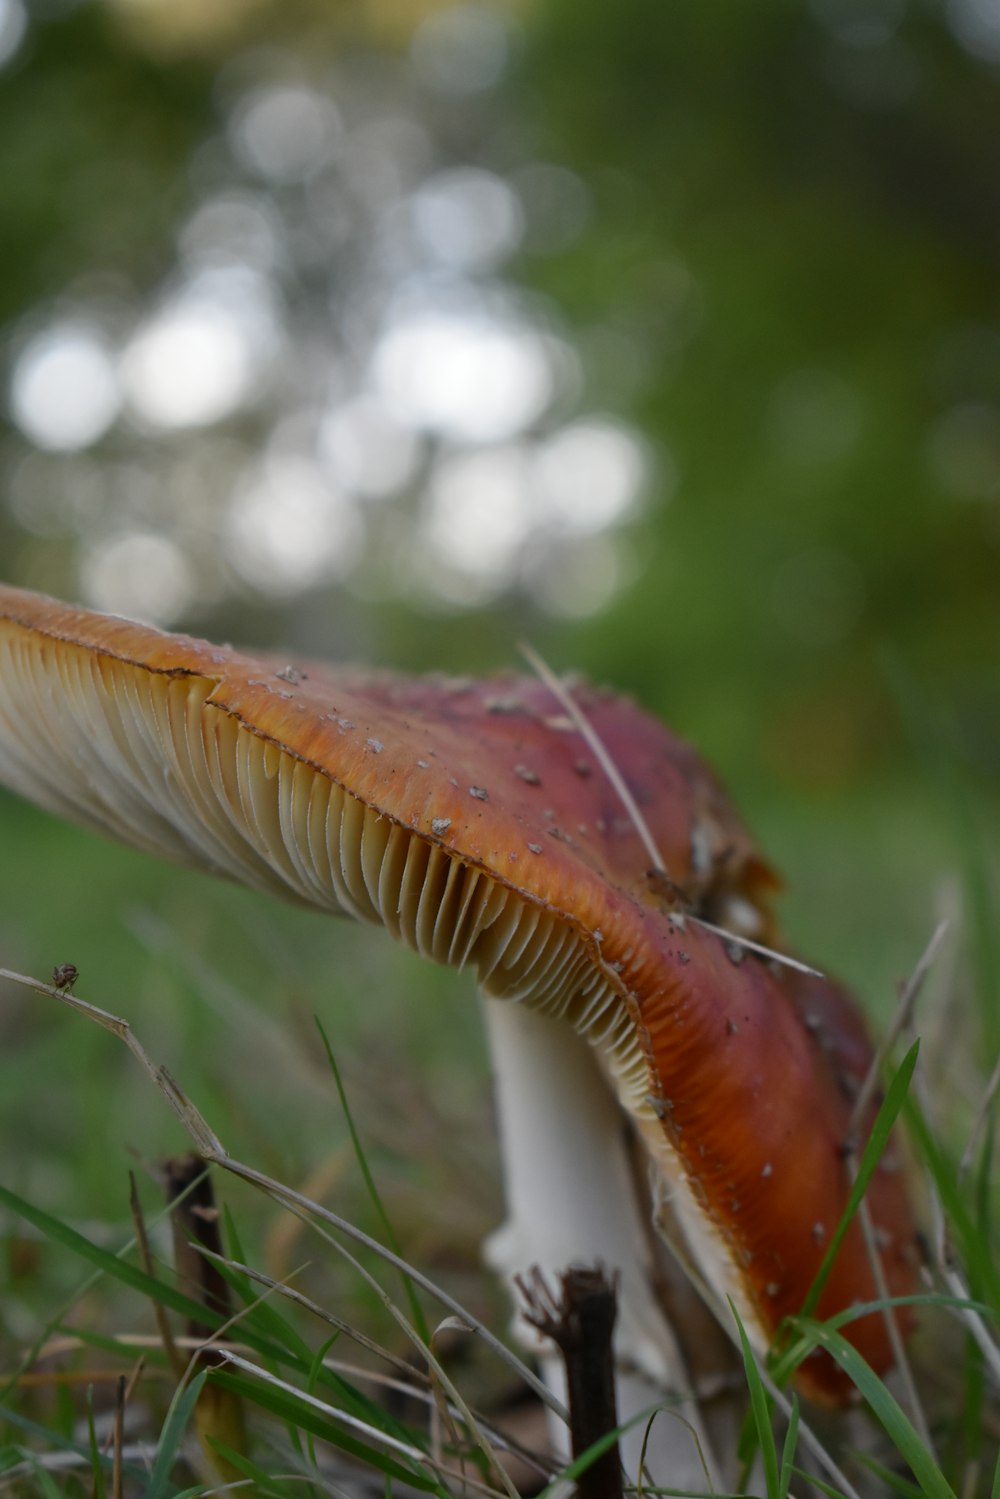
[571, 1199]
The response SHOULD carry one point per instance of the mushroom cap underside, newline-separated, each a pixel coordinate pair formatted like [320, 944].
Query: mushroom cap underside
[490, 769]
[471, 819]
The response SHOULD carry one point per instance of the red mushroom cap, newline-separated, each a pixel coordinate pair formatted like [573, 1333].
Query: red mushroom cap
[471, 820]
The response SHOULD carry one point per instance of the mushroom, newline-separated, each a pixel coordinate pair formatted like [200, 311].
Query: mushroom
[472, 820]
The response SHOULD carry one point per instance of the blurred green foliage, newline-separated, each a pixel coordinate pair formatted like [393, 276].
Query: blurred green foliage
[96, 137]
[835, 206]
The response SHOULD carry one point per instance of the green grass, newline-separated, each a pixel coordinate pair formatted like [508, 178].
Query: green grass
[287, 1374]
[231, 1013]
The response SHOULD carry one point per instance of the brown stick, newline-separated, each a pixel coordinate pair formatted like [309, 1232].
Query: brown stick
[580, 1323]
[194, 1219]
[117, 1438]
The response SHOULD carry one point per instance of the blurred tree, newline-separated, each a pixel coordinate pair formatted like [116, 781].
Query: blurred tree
[96, 141]
[795, 244]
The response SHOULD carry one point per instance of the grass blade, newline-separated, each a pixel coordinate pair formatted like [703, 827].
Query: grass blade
[96, 1464]
[51, 1438]
[416, 1310]
[304, 1415]
[175, 1424]
[297, 1355]
[760, 1411]
[788, 1450]
[262, 1481]
[891, 1106]
[103, 1259]
[46, 1486]
[975, 1251]
[884, 1407]
[894, 1482]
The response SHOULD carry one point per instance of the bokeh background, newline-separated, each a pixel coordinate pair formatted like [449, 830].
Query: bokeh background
[666, 336]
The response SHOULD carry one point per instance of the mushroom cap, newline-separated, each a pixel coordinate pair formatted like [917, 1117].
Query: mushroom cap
[471, 819]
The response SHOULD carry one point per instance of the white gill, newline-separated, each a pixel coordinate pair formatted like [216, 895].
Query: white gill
[146, 757]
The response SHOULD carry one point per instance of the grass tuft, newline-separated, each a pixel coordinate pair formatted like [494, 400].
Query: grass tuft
[318, 1426]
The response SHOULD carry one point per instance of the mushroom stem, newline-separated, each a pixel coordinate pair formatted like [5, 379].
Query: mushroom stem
[571, 1199]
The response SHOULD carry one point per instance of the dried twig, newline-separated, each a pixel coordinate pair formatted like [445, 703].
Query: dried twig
[220, 1419]
[580, 1321]
[117, 1435]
